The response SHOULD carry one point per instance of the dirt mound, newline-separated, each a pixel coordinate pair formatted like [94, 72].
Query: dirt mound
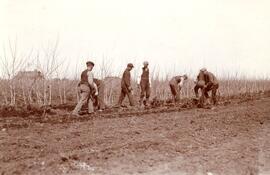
[231, 139]
[9, 111]
[61, 113]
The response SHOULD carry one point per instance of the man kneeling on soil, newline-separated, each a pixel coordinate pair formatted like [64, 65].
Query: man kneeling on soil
[176, 84]
[85, 86]
[99, 99]
[200, 84]
[211, 84]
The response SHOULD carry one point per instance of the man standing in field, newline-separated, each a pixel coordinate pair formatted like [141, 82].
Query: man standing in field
[99, 99]
[126, 88]
[176, 84]
[85, 87]
[211, 84]
[144, 84]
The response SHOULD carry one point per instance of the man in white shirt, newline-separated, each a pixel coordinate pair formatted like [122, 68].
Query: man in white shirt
[86, 85]
[176, 84]
[145, 83]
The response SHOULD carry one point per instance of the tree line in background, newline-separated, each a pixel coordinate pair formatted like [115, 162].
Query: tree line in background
[42, 87]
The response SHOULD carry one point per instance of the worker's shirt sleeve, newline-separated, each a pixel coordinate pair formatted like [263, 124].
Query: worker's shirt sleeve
[211, 80]
[91, 81]
[150, 79]
[139, 77]
[127, 79]
[181, 82]
[95, 87]
[90, 76]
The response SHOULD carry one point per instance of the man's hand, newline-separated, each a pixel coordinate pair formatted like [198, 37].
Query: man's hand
[96, 93]
[130, 88]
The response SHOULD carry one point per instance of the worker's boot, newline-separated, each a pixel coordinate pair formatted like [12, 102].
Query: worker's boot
[147, 102]
[141, 102]
[215, 101]
[74, 114]
[208, 101]
[197, 96]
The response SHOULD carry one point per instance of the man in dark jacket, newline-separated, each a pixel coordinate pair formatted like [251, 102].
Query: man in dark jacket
[200, 83]
[144, 83]
[176, 84]
[126, 88]
[211, 84]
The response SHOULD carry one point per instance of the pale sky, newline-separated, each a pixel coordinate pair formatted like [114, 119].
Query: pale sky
[175, 36]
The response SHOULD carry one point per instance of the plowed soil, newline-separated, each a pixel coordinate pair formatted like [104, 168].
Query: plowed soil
[231, 139]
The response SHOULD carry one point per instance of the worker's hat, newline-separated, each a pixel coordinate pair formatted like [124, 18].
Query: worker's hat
[145, 63]
[130, 65]
[90, 63]
[203, 69]
[185, 76]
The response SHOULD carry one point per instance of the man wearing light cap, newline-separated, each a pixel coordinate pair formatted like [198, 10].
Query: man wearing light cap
[145, 84]
[126, 88]
[211, 84]
[86, 86]
[176, 84]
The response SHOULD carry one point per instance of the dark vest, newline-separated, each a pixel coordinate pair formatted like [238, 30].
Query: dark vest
[145, 75]
[84, 77]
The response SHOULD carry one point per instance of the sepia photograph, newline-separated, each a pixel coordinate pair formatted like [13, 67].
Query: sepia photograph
[134, 87]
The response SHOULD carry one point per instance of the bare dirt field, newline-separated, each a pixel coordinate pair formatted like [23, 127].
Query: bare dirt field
[233, 139]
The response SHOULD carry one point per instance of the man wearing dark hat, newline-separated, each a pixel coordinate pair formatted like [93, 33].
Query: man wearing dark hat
[144, 83]
[86, 86]
[176, 84]
[126, 88]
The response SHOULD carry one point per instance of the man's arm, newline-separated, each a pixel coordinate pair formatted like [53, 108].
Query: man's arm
[127, 79]
[150, 83]
[198, 77]
[181, 84]
[91, 81]
[211, 80]
[96, 89]
[139, 78]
